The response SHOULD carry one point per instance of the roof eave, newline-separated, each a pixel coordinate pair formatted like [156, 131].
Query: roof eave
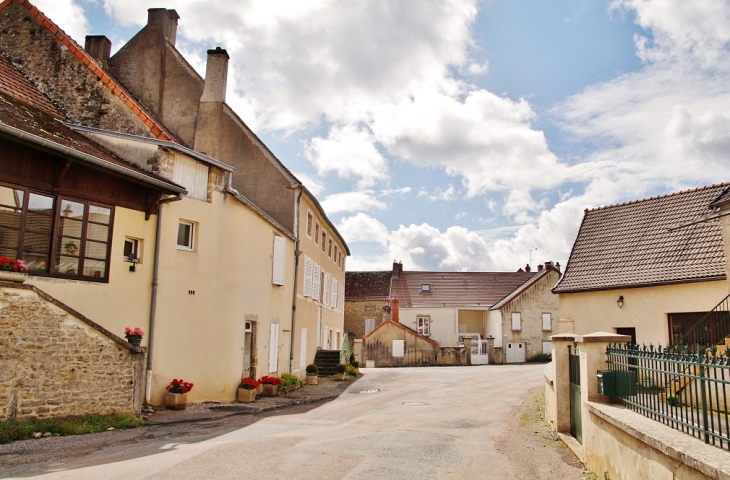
[714, 278]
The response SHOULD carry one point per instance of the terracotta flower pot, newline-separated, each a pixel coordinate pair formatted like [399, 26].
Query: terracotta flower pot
[246, 396]
[312, 379]
[270, 390]
[176, 401]
[15, 277]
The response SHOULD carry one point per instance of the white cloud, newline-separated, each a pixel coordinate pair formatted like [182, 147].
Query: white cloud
[363, 228]
[68, 15]
[362, 201]
[313, 185]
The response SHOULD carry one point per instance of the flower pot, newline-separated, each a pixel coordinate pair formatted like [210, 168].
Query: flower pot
[135, 340]
[312, 379]
[270, 390]
[260, 389]
[176, 401]
[246, 396]
[15, 277]
[340, 376]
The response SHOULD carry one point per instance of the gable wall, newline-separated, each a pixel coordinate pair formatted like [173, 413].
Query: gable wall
[444, 323]
[379, 348]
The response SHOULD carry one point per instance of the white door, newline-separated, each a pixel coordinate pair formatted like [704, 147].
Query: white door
[515, 353]
[326, 338]
[319, 327]
[274, 348]
[303, 349]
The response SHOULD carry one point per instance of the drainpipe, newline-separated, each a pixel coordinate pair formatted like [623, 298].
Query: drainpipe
[153, 301]
[297, 252]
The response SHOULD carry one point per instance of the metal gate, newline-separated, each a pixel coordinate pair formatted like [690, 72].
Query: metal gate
[576, 428]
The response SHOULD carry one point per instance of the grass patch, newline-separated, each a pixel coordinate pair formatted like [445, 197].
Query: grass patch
[13, 430]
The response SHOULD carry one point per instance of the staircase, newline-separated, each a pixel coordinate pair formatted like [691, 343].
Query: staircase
[326, 361]
[710, 331]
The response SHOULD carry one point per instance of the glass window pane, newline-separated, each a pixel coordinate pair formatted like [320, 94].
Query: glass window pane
[35, 222]
[94, 268]
[9, 239]
[70, 227]
[183, 235]
[95, 231]
[69, 246]
[95, 250]
[40, 203]
[10, 217]
[7, 252]
[66, 265]
[11, 197]
[71, 209]
[99, 214]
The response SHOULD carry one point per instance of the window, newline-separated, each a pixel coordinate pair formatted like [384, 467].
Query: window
[426, 287]
[316, 282]
[423, 325]
[131, 249]
[185, 235]
[329, 248]
[324, 241]
[308, 270]
[399, 348]
[326, 289]
[547, 324]
[335, 291]
[279, 263]
[547, 348]
[316, 233]
[55, 235]
[334, 259]
[516, 321]
[369, 325]
[310, 221]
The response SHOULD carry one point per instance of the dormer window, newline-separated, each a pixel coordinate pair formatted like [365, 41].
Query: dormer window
[425, 288]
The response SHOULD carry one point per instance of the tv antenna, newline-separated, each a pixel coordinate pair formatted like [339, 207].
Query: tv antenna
[532, 250]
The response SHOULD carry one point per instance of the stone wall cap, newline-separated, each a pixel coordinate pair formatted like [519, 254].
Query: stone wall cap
[605, 337]
[564, 337]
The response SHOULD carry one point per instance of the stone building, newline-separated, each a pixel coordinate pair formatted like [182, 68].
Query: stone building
[367, 301]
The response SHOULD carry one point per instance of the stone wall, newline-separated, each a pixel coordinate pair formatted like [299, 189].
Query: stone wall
[357, 312]
[55, 362]
[378, 346]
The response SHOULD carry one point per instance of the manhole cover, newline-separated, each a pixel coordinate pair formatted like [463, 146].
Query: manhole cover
[415, 404]
[372, 390]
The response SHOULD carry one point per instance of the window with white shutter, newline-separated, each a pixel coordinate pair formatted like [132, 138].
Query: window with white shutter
[308, 270]
[547, 324]
[369, 325]
[326, 289]
[399, 348]
[516, 321]
[342, 295]
[279, 267]
[274, 348]
[316, 281]
[193, 176]
[335, 291]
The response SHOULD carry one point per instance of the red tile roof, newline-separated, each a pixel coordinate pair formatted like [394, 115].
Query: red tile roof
[360, 286]
[387, 322]
[456, 289]
[630, 244]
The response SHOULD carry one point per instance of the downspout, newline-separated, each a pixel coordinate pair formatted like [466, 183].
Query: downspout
[153, 301]
[297, 252]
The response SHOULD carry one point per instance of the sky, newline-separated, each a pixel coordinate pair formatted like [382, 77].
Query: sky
[463, 135]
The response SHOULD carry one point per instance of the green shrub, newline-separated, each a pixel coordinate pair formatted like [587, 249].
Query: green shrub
[341, 368]
[352, 371]
[541, 357]
[352, 358]
[355, 364]
[12, 430]
[289, 379]
[312, 369]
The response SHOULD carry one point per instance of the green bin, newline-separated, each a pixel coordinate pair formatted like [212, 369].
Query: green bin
[616, 383]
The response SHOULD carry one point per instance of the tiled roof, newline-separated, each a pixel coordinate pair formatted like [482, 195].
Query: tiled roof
[456, 289]
[114, 85]
[536, 277]
[630, 244]
[23, 107]
[367, 286]
[387, 322]
[723, 198]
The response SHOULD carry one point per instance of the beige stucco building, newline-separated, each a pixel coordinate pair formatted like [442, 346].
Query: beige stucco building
[649, 269]
[243, 285]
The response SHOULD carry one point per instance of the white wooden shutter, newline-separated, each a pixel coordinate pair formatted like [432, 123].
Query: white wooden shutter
[516, 321]
[335, 291]
[547, 324]
[303, 349]
[279, 267]
[308, 269]
[399, 348]
[274, 348]
[326, 289]
[316, 281]
[192, 175]
[369, 325]
[342, 295]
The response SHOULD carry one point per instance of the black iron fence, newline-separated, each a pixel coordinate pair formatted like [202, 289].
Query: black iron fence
[686, 391]
[708, 331]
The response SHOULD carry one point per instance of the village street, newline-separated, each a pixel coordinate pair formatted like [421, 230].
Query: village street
[460, 422]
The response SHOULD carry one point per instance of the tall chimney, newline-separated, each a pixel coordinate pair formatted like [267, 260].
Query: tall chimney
[395, 315]
[165, 20]
[216, 76]
[397, 268]
[527, 268]
[99, 47]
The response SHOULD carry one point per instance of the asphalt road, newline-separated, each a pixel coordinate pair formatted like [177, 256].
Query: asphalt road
[459, 422]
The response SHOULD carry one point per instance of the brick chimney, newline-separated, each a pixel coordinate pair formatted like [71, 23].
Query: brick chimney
[539, 268]
[165, 20]
[395, 313]
[548, 264]
[528, 268]
[210, 106]
[397, 268]
[99, 47]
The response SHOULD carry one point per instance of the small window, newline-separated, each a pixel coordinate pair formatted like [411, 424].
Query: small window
[329, 248]
[279, 264]
[185, 235]
[310, 221]
[131, 249]
[426, 287]
[316, 233]
[334, 259]
[369, 325]
[324, 241]
[424, 325]
[547, 324]
[516, 321]
[399, 348]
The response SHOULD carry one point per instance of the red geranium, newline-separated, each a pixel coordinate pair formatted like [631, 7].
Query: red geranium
[10, 265]
[267, 380]
[248, 383]
[179, 386]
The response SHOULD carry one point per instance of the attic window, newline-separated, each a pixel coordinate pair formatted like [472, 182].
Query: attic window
[425, 288]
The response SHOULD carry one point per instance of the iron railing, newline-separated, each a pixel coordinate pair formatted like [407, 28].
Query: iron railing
[686, 391]
[710, 330]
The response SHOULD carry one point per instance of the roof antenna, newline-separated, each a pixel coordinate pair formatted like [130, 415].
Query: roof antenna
[532, 250]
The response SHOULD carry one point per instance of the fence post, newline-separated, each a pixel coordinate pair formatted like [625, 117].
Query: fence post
[701, 367]
[557, 387]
